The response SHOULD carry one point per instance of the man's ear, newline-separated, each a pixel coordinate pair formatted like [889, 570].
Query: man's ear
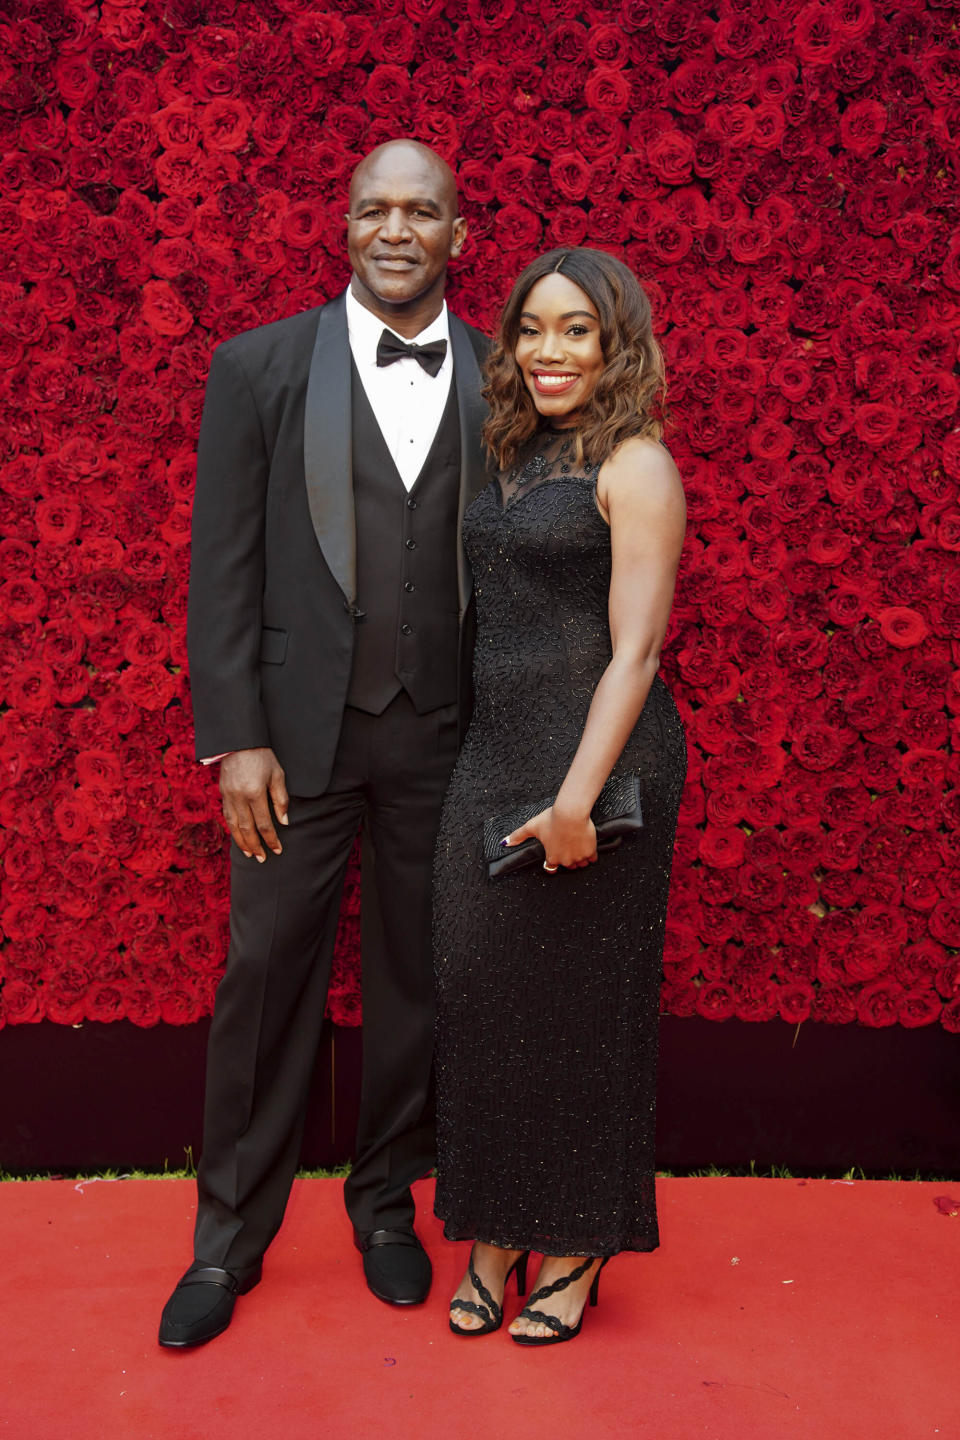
[459, 237]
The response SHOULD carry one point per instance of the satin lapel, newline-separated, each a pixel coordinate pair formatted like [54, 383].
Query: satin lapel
[473, 412]
[327, 451]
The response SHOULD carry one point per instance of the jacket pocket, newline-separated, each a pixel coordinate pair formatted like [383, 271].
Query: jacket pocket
[273, 646]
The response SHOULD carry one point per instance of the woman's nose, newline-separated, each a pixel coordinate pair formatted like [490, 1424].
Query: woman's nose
[551, 347]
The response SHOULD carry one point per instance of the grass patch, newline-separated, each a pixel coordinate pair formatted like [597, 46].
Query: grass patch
[783, 1172]
[340, 1172]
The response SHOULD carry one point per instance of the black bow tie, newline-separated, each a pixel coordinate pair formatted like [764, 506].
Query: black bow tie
[431, 356]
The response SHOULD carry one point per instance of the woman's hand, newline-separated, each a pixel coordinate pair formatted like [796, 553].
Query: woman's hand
[568, 839]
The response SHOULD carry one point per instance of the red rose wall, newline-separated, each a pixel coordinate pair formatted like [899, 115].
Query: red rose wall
[782, 177]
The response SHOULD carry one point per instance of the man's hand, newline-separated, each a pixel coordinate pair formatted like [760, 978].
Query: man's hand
[247, 779]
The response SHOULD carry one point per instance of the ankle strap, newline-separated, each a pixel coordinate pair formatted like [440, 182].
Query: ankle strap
[481, 1289]
[563, 1282]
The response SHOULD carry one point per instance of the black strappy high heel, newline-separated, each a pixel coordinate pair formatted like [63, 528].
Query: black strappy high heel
[561, 1332]
[489, 1311]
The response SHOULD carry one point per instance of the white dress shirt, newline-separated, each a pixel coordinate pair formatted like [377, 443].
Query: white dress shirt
[407, 401]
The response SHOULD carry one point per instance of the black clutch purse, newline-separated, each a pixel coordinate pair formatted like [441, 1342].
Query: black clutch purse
[616, 814]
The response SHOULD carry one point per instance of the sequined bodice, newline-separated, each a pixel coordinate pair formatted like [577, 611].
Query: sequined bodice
[539, 550]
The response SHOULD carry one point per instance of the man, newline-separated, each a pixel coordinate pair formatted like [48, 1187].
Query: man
[329, 641]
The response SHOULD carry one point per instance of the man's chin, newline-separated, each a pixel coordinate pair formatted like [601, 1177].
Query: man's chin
[401, 287]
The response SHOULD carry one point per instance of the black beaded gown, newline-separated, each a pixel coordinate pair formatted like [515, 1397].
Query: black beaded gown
[548, 985]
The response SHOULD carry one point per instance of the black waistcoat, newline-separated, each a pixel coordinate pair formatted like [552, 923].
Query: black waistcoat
[407, 638]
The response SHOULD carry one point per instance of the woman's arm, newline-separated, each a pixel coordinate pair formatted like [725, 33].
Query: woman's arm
[640, 495]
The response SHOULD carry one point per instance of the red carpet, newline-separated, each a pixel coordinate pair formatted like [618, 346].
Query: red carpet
[774, 1308]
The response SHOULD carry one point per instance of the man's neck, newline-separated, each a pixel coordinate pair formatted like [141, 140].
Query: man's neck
[408, 319]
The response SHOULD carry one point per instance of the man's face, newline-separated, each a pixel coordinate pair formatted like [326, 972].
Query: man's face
[402, 227]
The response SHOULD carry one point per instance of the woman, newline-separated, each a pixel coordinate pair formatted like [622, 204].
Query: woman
[548, 978]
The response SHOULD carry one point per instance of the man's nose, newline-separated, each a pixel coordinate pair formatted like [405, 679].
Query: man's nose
[395, 226]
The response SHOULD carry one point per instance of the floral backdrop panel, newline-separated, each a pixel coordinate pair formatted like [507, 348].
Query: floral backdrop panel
[783, 177]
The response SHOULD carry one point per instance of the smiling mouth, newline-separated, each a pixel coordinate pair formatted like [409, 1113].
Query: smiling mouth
[404, 260]
[553, 384]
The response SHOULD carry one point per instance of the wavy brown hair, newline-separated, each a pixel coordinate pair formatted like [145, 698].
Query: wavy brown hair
[630, 396]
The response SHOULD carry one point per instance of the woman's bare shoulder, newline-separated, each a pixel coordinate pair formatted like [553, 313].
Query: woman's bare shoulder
[644, 460]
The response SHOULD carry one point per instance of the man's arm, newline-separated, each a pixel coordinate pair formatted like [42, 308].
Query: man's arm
[227, 566]
[225, 608]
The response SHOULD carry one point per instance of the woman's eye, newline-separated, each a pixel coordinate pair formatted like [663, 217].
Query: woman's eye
[578, 330]
[527, 330]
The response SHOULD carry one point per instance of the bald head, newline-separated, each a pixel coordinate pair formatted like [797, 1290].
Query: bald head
[406, 157]
[402, 230]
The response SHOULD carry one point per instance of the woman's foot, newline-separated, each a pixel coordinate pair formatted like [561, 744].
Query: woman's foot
[492, 1266]
[566, 1305]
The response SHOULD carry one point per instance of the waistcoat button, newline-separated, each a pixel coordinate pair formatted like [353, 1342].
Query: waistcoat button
[410, 544]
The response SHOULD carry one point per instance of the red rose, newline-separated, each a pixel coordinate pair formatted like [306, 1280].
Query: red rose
[104, 1002]
[861, 127]
[304, 224]
[795, 1001]
[834, 1006]
[141, 1004]
[571, 175]
[20, 1002]
[179, 1005]
[670, 157]
[387, 90]
[921, 1006]
[607, 44]
[817, 38]
[568, 226]
[163, 309]
[944, 922]
[722, 848]
[517, 227]
[77, 81]
[902, 627]
[607, 90]
[319, 42]
[878, 1004]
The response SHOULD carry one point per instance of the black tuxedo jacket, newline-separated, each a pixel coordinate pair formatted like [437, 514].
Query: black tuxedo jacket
[273, 563]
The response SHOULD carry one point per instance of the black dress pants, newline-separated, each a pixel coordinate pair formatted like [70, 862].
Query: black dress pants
[390, 773]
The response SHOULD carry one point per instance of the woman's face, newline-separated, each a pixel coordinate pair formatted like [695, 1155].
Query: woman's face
[558, 349]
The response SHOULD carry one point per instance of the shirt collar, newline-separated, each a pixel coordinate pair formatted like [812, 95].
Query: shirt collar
[364, 330]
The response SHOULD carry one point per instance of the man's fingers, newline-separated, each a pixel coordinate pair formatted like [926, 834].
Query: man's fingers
[231, 821]
[244, 831]
[279, 796]
[264, 823]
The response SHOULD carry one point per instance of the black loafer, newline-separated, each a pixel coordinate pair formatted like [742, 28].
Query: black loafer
[396, 1267]
[202, 1304]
